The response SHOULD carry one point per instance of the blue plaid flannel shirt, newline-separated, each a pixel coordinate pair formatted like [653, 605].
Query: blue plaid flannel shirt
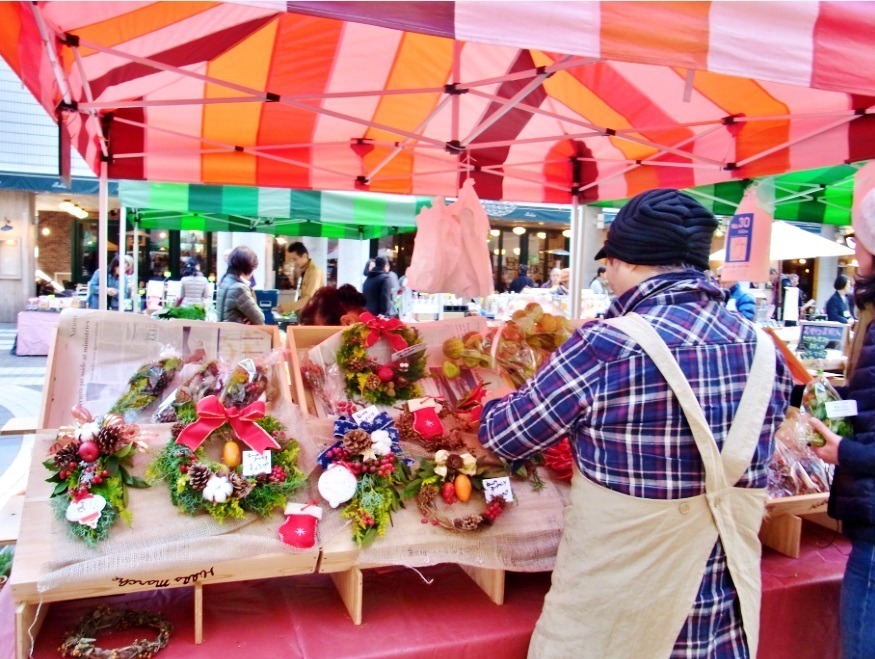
[627, 430]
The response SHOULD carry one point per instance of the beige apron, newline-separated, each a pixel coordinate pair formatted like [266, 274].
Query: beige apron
[628, 569]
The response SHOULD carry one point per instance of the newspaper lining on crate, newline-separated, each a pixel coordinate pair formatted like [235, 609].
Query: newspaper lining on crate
[97, 353]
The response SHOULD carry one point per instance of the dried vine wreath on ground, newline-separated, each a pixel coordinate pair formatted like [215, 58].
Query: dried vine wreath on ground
[81, 642]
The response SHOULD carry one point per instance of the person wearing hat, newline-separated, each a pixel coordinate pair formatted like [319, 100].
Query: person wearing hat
[852, 495]
[670, 403]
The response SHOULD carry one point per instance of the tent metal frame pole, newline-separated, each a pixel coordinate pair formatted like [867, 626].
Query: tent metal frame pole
[575, 284]
[508, 105]
[86, 87]
[398, 149]
[102, 232]
[564, 65]
[122, 262]
[58, 72]
[136, 273]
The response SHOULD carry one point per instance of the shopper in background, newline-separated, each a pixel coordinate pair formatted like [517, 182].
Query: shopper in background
[837, 309]
[659, 555]
[737, 298]
[553, 282]
[852, 497]
[599, 284]
[114, 281]
[333, 306]
[521, 281]
[378, 290]
[195, 287]
[235, 301]
[309, 278]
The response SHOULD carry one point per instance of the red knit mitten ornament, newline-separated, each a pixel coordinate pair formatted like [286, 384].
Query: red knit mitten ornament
[299, 530]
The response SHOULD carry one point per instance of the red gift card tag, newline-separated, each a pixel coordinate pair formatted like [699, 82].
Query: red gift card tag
[427, 423]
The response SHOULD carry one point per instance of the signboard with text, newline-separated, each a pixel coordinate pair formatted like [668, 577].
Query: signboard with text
[747, 241]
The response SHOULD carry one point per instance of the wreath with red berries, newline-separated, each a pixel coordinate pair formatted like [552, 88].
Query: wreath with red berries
[453, 478]
[90, 465]
[381, 384]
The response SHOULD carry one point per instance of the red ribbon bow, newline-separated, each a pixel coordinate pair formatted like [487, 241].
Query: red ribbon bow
[386, 328]
[212, 414]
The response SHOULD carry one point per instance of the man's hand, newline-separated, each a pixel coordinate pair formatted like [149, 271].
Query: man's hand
[111, 292]
[829, 452]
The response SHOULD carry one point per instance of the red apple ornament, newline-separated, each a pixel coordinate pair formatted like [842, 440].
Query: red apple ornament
[385, 374]
[89, 451]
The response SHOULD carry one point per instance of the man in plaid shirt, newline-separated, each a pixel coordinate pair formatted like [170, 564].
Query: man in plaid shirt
[628, 432]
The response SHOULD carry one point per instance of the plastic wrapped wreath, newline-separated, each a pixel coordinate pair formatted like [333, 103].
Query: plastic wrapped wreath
[381, 384]
[146, 385]
[364, 467]
[256, 470]
[90, 465]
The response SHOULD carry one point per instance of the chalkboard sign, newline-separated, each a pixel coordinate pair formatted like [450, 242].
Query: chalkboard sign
[815, 338]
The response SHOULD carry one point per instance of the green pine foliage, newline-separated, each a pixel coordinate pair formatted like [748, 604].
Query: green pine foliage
[191, 312]
[89, 536]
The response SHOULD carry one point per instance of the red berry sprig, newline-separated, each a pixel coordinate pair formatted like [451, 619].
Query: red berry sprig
[493, 510]
[277, 474]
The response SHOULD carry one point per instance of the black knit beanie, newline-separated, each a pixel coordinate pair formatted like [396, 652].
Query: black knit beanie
[661, 227]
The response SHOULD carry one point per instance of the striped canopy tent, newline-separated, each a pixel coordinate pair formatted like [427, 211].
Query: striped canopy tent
[544, 102]
[822, 195]
[277, 211]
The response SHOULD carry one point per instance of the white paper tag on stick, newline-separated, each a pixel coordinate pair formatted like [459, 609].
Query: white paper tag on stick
[366, 415]
[840, 409]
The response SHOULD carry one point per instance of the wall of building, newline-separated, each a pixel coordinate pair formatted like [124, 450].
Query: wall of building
[16, 253]
[55, 249]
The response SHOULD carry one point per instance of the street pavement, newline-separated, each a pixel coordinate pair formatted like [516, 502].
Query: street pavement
[21, 386]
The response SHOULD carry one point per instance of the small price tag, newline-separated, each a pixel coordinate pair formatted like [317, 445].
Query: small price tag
[840, 409]
[497, 487]
[408, 351]
[367, 415]
[255, 463]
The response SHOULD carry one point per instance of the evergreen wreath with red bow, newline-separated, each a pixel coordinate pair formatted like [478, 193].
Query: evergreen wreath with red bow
[381, 384]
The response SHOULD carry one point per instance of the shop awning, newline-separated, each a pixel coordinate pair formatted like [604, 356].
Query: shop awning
[275, 211]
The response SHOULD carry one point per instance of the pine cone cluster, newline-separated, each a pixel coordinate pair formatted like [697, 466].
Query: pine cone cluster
[177, 428]
[405, 428]
[241, 485]
[159, 384]
[373, 382]
[167, 415]
[108, 438]
[198, 476]
[357, 441]
[356, 364]
[67, 454]
[468, 523]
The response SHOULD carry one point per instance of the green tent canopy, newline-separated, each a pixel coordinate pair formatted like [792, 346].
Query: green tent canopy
[815, 195]
[274, 211]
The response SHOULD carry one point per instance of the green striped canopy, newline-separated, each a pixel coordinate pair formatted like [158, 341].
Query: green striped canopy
[276, 211]
[815, 195]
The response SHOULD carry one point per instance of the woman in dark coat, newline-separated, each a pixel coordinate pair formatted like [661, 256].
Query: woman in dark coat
[852, 497]
[235, 301]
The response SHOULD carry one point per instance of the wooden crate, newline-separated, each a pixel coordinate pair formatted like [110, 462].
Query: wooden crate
[782, 524]
[299, 339]
[33, 554]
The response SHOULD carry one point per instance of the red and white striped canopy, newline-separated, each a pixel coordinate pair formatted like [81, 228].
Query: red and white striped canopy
[537, 101]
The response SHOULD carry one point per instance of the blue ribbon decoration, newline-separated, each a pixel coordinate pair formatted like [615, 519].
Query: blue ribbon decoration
[346, 423]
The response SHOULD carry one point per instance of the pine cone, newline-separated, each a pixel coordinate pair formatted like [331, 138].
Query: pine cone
[468, 523]
[356, 364]
[357, 441]
[373, 382]
[67, 454]
[108, 438]
[198, 475]
[241, 484]
[167, 415]
[177, 428]
[160, 384]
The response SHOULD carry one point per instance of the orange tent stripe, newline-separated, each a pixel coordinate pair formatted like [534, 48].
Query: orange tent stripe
[421, 61]
[301, 60]
[656, 32]
[10, 33]
[737, 95]
[138, 22]
[247, 64]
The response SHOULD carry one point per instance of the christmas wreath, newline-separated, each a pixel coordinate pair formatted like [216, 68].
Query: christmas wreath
[382, 384]
[90, 463]
[453, 477]
[81, 642]
[258, 481]
[365, 468]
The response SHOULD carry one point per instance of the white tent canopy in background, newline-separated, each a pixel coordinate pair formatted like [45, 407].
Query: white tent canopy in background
[789, 242]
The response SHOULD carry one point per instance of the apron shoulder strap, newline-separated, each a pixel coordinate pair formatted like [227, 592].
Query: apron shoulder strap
[743, 436]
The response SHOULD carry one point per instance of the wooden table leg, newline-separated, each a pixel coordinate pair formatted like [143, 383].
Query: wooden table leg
[28, 620]
[349, 585]
[490, 581]
[198, 613]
